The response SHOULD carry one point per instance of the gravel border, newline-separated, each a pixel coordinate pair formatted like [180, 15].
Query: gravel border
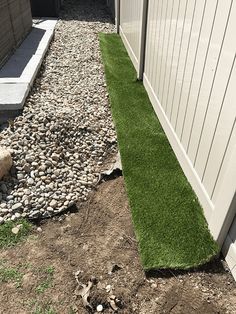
[66, 131]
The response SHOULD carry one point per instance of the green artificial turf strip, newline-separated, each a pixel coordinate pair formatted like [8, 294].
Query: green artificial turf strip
[168, 220]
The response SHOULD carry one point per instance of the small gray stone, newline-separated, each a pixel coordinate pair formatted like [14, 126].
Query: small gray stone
[50, 209]
[26, 168]
[16, 206]
[34, 214]
[26, 202]
[4, 188]
[55, 157]
[17, 215]
[13, 217]
[43, 168]
[30, 181]
[29, 159]
[53, 204]
[20, 176]
[56, 173]
[41, 200]
[9, 197]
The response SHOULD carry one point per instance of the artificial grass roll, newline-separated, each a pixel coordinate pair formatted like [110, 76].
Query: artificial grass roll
[168, 220]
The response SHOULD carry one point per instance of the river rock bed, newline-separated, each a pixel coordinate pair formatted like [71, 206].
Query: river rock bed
[65, 132]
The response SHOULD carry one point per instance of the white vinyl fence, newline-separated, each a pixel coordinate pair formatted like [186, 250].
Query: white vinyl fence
[187, 49]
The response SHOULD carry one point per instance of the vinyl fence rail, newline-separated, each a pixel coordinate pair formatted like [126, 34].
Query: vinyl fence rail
[185, 52]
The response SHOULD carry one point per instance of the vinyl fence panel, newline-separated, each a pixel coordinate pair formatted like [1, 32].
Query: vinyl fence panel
[131, 28]
[189, 75]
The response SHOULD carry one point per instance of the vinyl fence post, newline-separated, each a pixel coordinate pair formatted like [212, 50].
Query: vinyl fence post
[117, 14]
[143, 35]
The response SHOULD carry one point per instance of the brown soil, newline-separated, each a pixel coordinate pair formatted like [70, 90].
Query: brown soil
[99, 242]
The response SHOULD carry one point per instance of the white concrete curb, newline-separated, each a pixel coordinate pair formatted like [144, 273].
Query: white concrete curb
[18, 74]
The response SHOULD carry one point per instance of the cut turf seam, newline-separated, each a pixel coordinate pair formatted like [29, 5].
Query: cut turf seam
[169, 222]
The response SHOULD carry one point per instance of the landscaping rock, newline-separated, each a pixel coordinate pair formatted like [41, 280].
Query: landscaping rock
[53, 204]
[16, 206]
[3, 188]
[5, 162]
[16, 229]
[99, 308]
[66, 130]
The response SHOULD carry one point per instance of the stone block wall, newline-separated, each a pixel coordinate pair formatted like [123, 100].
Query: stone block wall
[15, 23]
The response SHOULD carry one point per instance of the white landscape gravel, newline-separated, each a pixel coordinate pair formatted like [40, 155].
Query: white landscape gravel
[66, 131]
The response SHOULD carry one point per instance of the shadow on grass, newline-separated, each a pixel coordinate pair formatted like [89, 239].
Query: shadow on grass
[215, 266]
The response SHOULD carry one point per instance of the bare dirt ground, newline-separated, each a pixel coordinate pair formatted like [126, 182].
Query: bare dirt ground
[98, 241]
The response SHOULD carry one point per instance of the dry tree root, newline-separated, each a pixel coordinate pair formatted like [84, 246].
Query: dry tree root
[95, 299]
